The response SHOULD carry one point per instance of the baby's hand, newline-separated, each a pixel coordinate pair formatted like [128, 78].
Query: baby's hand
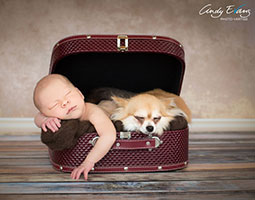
[83, 168]
[52, 123]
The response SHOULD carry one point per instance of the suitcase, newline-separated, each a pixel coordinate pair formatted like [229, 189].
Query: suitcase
[131, 62]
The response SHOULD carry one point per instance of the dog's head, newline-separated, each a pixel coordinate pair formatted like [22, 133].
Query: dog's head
[145, 113]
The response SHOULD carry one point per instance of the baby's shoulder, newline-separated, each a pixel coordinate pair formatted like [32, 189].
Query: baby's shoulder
[93, 109]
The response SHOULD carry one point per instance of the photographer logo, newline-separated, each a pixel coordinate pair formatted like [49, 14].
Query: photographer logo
[227, 13]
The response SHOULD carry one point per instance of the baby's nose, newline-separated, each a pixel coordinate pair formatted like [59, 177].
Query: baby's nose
[64, 103]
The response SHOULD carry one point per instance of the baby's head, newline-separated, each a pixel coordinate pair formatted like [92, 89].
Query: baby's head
[56, 96]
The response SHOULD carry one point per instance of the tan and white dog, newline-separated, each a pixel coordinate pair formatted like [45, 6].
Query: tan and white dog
[149, 112]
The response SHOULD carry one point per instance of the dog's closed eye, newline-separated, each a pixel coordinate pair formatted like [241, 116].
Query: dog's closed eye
[140, 119]
[156, 119]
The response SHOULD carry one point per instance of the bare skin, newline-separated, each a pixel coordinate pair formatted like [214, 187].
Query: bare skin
[56, 100]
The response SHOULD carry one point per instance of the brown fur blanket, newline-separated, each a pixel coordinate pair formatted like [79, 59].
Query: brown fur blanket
[66, 137]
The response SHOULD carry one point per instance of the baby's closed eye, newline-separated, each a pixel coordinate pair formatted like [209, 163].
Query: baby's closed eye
[53, 106]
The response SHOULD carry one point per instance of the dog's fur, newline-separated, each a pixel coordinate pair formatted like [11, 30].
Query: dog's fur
[150, 112]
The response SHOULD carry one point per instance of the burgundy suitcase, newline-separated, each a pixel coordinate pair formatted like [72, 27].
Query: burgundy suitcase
[130, 62]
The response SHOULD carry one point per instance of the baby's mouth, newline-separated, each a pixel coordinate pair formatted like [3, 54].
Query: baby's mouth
[71, 109]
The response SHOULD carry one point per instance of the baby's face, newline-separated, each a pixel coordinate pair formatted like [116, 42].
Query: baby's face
[61, 100]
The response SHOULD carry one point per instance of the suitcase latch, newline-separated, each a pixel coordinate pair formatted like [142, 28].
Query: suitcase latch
[125, 135]
[122, 42]
[157, 141]
[93, 141]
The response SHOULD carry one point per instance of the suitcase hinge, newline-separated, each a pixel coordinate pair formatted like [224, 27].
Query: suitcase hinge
[122, 39]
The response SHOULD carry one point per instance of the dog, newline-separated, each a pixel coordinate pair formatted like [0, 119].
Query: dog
[149, 112]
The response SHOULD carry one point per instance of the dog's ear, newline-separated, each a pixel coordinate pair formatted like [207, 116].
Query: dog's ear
[121, 102]
[169, 102]
[119, 113]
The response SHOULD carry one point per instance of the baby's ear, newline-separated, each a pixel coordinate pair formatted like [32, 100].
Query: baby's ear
[121, 102]
[80, 93]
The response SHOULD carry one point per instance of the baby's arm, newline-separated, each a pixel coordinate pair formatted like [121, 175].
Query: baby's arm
[44, 122]
[107, 136]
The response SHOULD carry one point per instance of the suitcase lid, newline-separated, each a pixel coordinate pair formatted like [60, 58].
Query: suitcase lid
[135, 63]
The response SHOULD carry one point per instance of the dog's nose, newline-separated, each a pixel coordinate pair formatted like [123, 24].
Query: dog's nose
[149, 128]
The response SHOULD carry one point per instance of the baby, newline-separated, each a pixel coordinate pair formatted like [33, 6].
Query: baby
[56, 98]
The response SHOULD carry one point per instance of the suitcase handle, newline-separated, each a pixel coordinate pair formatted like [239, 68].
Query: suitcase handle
[129, 144]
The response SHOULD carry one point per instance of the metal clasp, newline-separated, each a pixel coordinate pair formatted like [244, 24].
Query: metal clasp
[120, 39]
[157, 141]
[93, 141]
[125, 135]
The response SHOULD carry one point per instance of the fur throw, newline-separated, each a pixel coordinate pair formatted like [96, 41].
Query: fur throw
[66, 137]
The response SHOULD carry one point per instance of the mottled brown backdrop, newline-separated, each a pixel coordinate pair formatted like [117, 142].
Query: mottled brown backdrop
[220, 55]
